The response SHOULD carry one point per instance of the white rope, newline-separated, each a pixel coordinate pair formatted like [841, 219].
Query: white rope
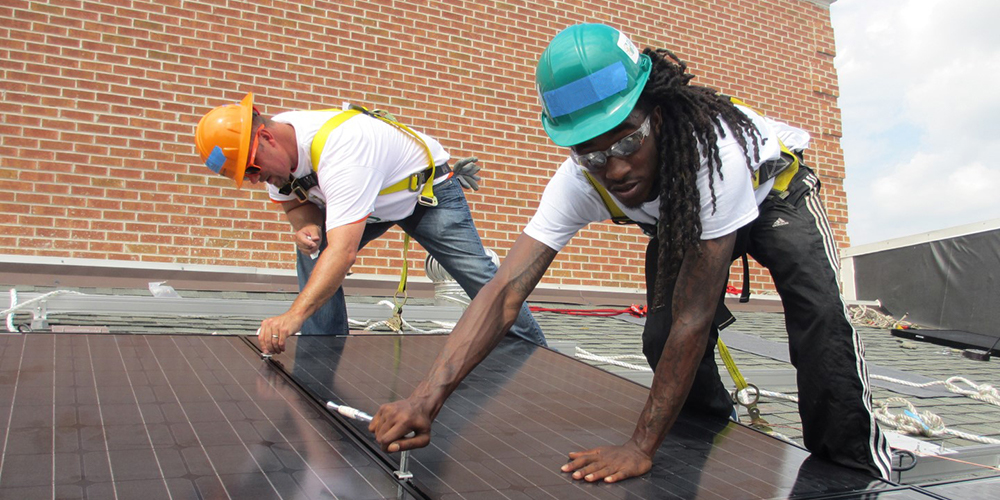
[371, 325]
[910, 421]
[921, 423]
[778, 395]
[10, 317]
[861, 314]
[457, 300]
[985, 393]
[613, 360]
[14, 306]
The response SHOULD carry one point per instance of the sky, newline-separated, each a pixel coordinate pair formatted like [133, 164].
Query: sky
[920, 103]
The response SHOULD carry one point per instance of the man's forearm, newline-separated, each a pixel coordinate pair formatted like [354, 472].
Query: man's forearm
[473, 338]
[303, 214]
[330, 270]
[696, 293]
[672, 381]
[326, 278]
[484, 323]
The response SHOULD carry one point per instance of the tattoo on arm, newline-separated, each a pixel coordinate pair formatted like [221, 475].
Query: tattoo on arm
[524, 279]
[700, 280]
[696, 294]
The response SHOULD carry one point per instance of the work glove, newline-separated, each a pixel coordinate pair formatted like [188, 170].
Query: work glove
[467, 172]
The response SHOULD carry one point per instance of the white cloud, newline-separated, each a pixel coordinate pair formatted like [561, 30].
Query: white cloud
[957, 104]
[919, 196]
[920, 113]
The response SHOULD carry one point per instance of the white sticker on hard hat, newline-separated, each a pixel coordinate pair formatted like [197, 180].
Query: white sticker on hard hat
[628, 47]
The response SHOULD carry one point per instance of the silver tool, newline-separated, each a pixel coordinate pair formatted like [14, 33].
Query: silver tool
[356, 414]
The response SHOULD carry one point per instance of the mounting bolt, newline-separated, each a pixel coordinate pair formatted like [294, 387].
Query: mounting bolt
[402, 473]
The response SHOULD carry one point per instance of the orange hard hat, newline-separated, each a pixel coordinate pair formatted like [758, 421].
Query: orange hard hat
[223, 138]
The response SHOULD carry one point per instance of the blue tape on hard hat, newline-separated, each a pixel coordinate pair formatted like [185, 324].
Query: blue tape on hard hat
[216, 160]
[588, 90]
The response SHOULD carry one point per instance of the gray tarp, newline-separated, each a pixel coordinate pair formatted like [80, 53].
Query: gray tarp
[948, 284]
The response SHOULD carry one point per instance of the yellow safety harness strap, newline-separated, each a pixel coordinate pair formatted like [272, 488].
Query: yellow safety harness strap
[395, 322]
[756, 421]
[784, 178]
[412, 182]
[785, 174]
[734, 372]
[319, 142]
[427, 197]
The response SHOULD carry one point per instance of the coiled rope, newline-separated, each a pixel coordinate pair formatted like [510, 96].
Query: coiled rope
[372, 325]
[921, 423]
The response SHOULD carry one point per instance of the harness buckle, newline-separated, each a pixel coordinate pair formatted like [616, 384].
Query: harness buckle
[295, 188]
[299, 192]
[415, 183]
[428, 201]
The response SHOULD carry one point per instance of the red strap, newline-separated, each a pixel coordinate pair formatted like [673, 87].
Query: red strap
[635, 310]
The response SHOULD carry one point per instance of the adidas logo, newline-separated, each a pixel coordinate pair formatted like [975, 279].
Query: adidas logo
[780, 222]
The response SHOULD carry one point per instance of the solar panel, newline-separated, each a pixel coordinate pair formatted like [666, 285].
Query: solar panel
[976, 488]
[172, 417]
[508, 427]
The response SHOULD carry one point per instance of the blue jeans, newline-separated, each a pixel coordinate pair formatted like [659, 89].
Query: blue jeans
[449, 235]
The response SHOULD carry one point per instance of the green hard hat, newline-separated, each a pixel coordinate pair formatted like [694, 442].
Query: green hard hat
[589, 79]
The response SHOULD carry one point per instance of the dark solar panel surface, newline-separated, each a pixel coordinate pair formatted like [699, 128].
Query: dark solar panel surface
[176, 417]
[987, 488]
[171, 417]
[508, 428]
[896, 494]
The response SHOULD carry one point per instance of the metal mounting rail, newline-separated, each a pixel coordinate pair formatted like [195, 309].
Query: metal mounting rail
[165, 306]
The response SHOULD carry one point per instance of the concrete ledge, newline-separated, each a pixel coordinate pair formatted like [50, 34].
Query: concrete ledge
[58, 272]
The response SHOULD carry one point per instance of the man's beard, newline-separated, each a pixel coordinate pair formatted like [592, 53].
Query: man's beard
[654, 192]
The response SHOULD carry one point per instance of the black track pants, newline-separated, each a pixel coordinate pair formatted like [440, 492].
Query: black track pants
[792, 238]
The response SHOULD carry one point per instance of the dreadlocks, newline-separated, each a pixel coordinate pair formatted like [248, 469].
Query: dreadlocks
[693, 116]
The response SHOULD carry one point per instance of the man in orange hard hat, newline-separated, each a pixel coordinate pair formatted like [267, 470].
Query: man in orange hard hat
[343, 179]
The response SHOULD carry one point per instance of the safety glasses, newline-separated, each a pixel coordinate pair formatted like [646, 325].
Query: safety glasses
[251, 167]
[625, 147]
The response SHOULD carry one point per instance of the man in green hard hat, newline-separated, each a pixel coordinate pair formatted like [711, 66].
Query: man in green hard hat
[709, 180]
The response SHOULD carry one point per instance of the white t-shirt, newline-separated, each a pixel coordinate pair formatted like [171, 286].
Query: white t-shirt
[361, 157]
[570, 202]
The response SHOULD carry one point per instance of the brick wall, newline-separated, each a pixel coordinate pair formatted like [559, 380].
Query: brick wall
[99, 100]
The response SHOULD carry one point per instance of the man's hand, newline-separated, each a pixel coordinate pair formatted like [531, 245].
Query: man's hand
[610, 463]
[308, 238]
[397, 419]
[274, 331]
[467, 173]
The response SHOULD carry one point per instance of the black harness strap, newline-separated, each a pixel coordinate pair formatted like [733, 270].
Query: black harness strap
[300, 186]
